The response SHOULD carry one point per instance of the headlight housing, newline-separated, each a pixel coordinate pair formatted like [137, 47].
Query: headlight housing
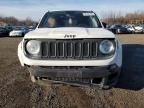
[33, 47]
[106, 47]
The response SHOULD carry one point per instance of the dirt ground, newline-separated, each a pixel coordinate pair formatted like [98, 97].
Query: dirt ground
[17, 91]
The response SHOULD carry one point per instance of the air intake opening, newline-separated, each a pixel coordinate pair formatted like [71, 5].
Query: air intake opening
[97, 80]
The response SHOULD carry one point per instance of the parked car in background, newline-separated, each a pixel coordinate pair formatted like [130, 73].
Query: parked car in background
[3, 32]
[118, 29]
[19, 31]
[143, 27]
[8, 29]
[31, 29]
[138, 29]
[130, 28]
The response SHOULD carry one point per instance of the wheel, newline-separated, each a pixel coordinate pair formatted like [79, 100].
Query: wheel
[22, 34]
[104, 85]
[108, 85]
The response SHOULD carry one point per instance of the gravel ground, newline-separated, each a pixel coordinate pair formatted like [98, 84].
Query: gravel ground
[17, 91]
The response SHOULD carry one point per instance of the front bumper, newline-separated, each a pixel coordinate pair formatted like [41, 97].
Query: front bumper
[105, 76]
[138, 31]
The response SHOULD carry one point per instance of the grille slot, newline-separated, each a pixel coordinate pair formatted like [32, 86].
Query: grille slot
[74, 49]
[94, 49]
[52, 49]
[86, 49]
[78, 49]
[61, 49]
[44, 50]
[69, 49]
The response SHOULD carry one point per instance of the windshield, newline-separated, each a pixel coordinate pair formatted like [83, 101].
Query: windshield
[70, 19]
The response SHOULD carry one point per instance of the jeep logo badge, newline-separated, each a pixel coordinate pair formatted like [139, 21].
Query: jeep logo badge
[69, 36]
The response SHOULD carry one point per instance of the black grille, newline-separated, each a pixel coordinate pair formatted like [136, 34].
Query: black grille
[67, 49]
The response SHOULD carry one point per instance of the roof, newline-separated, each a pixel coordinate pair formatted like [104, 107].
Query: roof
[71, 11]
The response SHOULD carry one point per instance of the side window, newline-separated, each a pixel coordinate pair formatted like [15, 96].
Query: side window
[93, 21]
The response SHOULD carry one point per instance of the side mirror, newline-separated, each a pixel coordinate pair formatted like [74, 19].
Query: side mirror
[104, 24]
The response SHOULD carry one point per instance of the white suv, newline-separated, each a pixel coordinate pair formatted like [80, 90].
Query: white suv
[72, 47]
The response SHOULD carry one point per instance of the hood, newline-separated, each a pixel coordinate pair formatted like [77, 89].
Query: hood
[138, 27]
[59, 33]
[130, 28]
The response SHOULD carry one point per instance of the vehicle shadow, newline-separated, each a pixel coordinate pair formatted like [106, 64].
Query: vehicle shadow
[132, 75]
[2, 36]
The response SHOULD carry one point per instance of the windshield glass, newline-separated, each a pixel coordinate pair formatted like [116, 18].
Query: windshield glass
[70, 19]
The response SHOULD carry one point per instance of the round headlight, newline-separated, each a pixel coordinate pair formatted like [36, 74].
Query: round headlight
[106, 47]
[33, 47]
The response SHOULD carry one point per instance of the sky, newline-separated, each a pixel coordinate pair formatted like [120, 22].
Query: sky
[36, 8]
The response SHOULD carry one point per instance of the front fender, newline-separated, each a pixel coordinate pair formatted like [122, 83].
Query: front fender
[20, 49]
[119, 54]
